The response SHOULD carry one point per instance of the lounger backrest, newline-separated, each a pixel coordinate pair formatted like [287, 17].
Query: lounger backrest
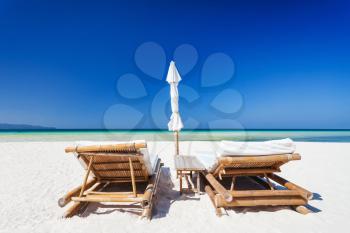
[269, 163]
[112, 162]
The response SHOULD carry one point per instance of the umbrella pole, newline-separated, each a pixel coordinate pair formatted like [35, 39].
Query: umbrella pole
[176, 135]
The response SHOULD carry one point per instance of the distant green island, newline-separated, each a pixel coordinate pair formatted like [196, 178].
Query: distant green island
[5, 126]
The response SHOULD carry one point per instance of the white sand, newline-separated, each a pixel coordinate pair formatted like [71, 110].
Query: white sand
[34, 175]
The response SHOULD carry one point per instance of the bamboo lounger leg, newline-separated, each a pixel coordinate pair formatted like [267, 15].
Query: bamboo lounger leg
[63, 201]
[86, 176]
[218, 187]
[147, 203]
[301, 209]
[78, 205]
[151, 190]
[290, 185]
[132, 178]
[211, 195]
[74, 209]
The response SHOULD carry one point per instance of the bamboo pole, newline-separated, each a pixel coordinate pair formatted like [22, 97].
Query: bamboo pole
[218, 187]
[106, 198]
[266, 193]
[302, 209]
[218, 169]
[147, 202]
[180, 177]
[290, 185]
[109, 193]
[122, 180]
[248, 171]
[77, 206]
[135, 155]
[86, 177]
[63, 201]
[198, 182]
[98, 148]
[74, 209]
[132, 178]
[176, 135]
[257, 159]
[261, 201]
[151, 189]
[114, 195]
[147, 213]
[211, 195]
[152, 186]
[147, 195]
[158, 172]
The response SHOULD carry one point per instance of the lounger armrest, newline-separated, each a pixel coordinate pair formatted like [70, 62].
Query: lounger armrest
[265, 158]
[103, 148]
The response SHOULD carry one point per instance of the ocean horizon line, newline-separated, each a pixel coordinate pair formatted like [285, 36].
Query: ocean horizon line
[159, 130]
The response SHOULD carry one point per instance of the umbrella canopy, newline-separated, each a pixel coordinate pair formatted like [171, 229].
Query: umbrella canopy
[175, 124]
[173, 78]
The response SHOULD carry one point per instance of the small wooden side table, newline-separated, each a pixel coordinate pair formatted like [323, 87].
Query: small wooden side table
[185, 165]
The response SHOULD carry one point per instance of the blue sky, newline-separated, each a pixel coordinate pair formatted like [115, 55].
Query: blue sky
[61, 63]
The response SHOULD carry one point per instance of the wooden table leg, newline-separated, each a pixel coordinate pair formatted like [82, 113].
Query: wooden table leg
[198, 183]
[180, 177]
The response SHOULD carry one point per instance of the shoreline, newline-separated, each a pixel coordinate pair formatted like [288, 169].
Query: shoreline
[186, 135]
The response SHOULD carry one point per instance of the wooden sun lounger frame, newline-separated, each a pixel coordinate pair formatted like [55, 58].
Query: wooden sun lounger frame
[91, 190]
[261, 170]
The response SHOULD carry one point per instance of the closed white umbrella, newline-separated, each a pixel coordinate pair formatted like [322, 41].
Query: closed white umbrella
[175, 124]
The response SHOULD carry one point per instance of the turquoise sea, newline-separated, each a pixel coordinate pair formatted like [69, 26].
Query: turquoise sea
[185, 135]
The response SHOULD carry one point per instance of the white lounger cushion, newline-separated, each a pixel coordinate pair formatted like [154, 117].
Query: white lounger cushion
[236, 148]
[149, 159]
[272, 147]
[209, 160]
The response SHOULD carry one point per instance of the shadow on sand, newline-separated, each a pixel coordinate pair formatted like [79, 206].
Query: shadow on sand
[245, 183]
[166, 196]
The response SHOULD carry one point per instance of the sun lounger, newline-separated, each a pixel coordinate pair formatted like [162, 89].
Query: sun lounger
[256, 162]
[114, 165]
